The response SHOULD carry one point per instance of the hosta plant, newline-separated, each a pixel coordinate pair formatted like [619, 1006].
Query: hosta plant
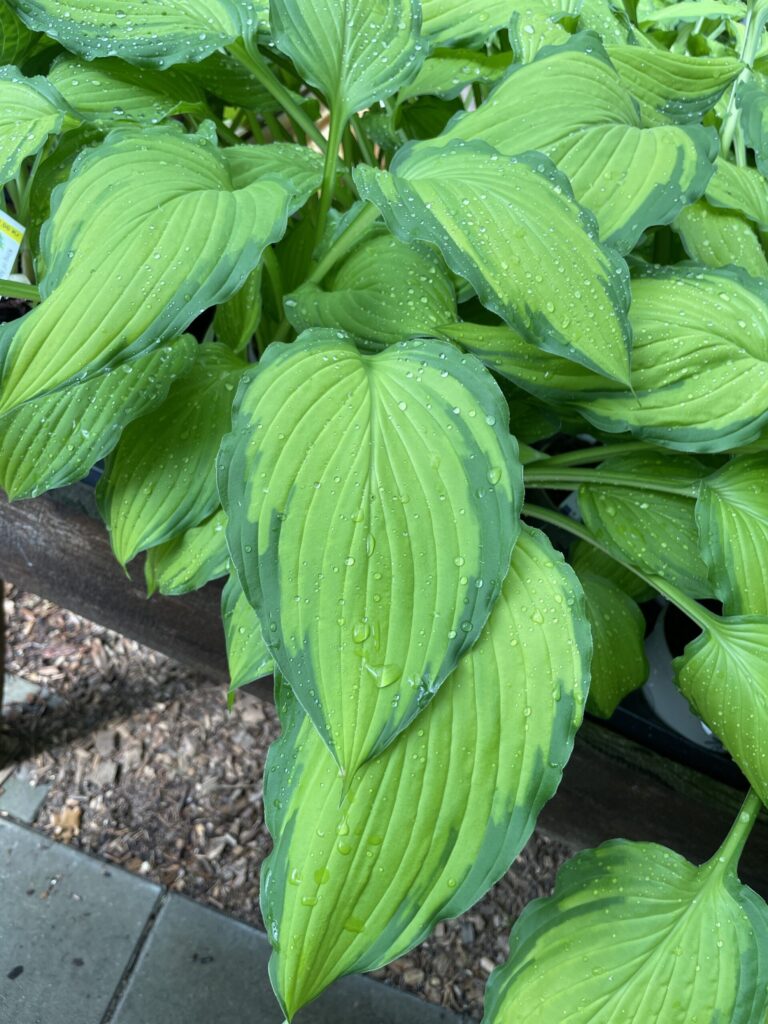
[368, 306]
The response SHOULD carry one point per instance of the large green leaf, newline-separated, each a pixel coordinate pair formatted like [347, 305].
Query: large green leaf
[30, 111]
[359, 877]
[16, 40]
[587, 559]
[386, 290]
[635, 933]
[190, 560]
[653, 530]
[619, 664]
[248, 657]
[161, 478]
[538, 23]
[740, 188]
[715, 237]
[509, 226]
[445, 73]
[236, 320]
[673, 87]
[145, 32]
[170, 230]
[752, 100]
[682, 11]
[110, 90]
[724, 675]
[629, 176]
[226, 78]
[699, 361]
[374, 547]
[55, 438]
[463, 21]
[732, 513]
[355, 51]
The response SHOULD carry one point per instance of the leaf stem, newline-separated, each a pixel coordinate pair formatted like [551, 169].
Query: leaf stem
[328, 189]
[749, 47]
[19, 290]
[251, 59]
[727, 857]
[567, 479]
[695, 611]
[345, 243]
[598, 453]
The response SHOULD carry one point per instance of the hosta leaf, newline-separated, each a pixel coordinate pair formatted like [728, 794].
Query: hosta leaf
[608, 19]
[236, 320]
[653, 530]
[170, 231]
[225, 77]
[740, 188]
[355, 51]
[715, 237]
[732, 513]
[145, 32]
[699, 361]
[752, 99]
[534, 25]
[374, 550]
[30, 111]
[16, 40]
[248, 657]
[673, 87]
[190, 560]
[110, 90]
[161, 478]
[386, 290]
[54, 439]
[510, 227]
[635, 933]
[691, 10]
[724, 675]
[586, 559]
[629, 176]
[445, 73]
[358, 878]
[463, 21]
[619, 665]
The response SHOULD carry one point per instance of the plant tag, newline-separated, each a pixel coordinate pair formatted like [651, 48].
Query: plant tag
[11, 234]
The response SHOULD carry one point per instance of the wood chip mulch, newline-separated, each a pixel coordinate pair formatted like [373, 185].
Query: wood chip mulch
[148, 770]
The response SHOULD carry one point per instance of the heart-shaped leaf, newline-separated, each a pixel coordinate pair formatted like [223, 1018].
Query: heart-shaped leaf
[653, 529]
[587, 559]
[716, 237]
[635, 933]
[30, 111]
[446, 22]
[445, 73]
[16, 40]
[161, 478]
[410, 471]
[248, 657]
[724, 675]
[172, 227]
[732, 513]
[190, 560]
[752, 100]
[355, 51]
[510, 227]
[357, 878]
[630, 177]
[386, 290]
[110, 90]
[54, 439]
[699, 361]
[619, 664]
[156, 33]
[740, 188]
[671, 87]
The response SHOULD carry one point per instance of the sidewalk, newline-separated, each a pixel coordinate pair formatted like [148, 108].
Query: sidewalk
[82, 942]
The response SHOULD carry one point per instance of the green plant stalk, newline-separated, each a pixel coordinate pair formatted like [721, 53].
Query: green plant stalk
[695, 611]
[328, 188]
[251, 59]
[19, 290]
[749, 48]
[344, 244]
[727, 857]
[598, 453]
[540, 475]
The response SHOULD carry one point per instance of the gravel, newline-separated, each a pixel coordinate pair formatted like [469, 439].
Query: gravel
[148, 770]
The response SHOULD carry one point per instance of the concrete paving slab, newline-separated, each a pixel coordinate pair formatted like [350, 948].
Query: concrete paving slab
[69, 927]
[200, 967]
[19, 797]
[17, 690]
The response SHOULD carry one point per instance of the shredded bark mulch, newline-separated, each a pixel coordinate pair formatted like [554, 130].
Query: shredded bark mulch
[149, 771]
